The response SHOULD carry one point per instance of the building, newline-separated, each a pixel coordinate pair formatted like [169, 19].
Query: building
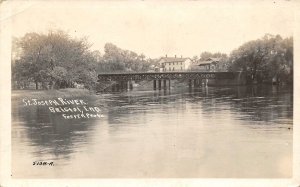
[209, 64]
[174, 64]
[154, 68]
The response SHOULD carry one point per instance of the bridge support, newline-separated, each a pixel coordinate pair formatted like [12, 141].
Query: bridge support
[113, 87]
[123, 85]
[195, 83]
[154, 84]
[190, 83]
[129, 85]
[165, 84]
[159, 84]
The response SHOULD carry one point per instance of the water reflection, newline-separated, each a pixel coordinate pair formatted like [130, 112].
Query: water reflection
[254, 103]
[49, 133]
[189, 131]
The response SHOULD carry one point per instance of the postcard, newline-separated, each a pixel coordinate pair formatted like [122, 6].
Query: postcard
[149, 93]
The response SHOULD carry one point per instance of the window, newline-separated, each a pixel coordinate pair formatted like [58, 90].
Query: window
[181, 67]
[169, 68]
[173, 69]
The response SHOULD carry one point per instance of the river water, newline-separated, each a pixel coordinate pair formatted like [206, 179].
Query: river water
[208, 132]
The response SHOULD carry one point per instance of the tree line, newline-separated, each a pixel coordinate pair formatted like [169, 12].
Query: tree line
[265, 60]
[269, 59]
[56, 60]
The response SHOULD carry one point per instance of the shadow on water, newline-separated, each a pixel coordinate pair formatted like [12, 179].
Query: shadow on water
[264, 103]
[50, 133]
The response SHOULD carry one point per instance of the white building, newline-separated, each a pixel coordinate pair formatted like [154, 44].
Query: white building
[174, 64]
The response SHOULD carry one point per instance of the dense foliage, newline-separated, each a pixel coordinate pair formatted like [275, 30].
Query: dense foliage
[265, 59]
[55, 60]
[119, 60]
[205, 55]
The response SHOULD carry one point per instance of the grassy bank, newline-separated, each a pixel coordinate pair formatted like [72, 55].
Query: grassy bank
[50, 94]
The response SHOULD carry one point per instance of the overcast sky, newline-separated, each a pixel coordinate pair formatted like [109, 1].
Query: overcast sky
[157, 28]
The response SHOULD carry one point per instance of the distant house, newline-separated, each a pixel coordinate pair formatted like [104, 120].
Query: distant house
[209, 64]
[174, 64]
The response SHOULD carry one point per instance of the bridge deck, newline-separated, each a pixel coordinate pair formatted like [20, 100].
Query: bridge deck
[165, 75]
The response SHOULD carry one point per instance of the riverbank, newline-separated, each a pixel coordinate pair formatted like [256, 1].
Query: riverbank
[50, 94]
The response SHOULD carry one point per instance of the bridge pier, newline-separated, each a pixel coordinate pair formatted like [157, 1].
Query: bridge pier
[195, 83]
[117, 87]
[113, 87]
[122, 85]
[154, 84]
[129, 85]
[205, 82]
[190, 83]
[165, 83]
[159, 84]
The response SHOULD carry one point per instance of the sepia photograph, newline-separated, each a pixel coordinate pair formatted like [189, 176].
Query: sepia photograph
[152, 89]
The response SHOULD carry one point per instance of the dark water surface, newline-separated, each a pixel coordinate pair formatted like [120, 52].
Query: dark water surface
[210, 132]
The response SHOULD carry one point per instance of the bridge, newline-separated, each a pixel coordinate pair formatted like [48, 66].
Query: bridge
[194, 78]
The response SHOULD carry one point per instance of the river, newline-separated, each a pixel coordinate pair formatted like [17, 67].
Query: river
[214, 132]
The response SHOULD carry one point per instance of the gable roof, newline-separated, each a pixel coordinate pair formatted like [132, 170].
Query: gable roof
[213, 59]
[208, 61]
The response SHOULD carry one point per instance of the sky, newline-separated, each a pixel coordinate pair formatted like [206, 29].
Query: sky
[157, 28]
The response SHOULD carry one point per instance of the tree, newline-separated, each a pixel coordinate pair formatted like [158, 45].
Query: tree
[205, 55]
[116, 59]
[59, 74]
[56, 60]
[264, 59]
[113, 58]
[195, 58]
[52, 58]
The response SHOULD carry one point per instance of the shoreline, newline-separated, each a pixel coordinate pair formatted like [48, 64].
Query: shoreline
[50, 94]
